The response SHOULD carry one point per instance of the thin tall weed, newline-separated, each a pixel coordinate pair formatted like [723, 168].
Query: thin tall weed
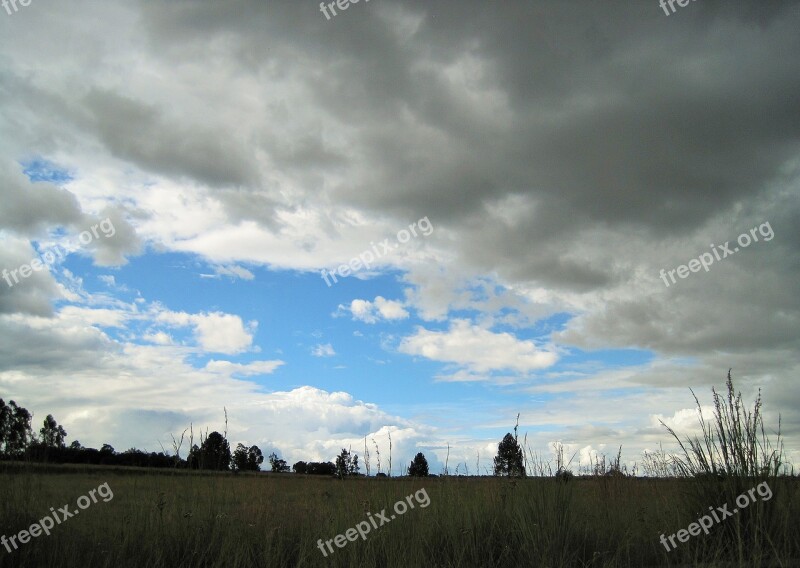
[733, 454]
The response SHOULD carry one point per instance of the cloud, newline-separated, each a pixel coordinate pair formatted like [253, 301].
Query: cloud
[30, 295]
[159, 338]
[477, 349]
[381, 308]
[232, 271]
[243, 370]
[30, 207]
[325, 350]
[141, 393]
[215, 332]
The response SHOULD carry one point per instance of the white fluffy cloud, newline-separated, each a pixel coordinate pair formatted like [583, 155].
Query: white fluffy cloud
[477, 349]
[215, 332]
[381, 308]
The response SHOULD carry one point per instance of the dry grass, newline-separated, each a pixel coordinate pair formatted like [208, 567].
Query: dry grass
[183, 519]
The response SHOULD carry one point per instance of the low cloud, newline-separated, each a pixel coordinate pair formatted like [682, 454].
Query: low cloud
[477, 350]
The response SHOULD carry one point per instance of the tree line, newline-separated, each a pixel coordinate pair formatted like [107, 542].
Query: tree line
[18, 441]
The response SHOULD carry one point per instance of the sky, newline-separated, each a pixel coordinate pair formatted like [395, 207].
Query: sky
[418, 220]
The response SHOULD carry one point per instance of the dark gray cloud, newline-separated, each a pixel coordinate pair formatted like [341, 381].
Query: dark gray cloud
[140, 133]
[46, 347]
[30, 208]
[18, 294]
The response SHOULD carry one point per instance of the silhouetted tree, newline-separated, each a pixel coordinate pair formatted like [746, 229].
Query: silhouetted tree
[213, 453]
[193, 459]
[321, 468]
[277, 465]
[509, 459]
[419, 466]
[17, 442]
[5, 424]
[245, 459]
[15, 429]
[52, 435]
[239, 459]
[346, 464]
[300, 467]
[255, 458]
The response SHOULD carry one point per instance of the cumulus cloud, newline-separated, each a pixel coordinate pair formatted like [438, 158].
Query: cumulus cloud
[381, 308]
[141, 393]
[477, 349]
[30, 295]
[215, 332]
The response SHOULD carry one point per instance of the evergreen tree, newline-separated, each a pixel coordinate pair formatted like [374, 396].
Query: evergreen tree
[419, 466]
[509, 459]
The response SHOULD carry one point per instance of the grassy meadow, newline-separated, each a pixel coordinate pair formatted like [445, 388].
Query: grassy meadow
[176, 518]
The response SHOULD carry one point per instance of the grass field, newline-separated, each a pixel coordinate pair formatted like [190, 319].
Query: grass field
[178, 518]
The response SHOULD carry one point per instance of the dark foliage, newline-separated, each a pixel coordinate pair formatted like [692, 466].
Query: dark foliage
[419, 466]
[509, 460]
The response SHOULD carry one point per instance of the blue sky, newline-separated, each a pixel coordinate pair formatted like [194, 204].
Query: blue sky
[558, 174]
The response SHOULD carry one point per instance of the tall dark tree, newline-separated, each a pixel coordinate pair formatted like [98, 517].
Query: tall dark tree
[300, 467]
[255, 458]
[509, 460]
[353, 468]
[214, 453]
[239, 458]
[15, 429]
[277, 465]
[5, 424]
[52, 435]
[193, 460]
[247, 459]
[347, 464]
[419, 466]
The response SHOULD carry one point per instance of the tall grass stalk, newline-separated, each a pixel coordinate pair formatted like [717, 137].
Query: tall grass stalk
[733, 454]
